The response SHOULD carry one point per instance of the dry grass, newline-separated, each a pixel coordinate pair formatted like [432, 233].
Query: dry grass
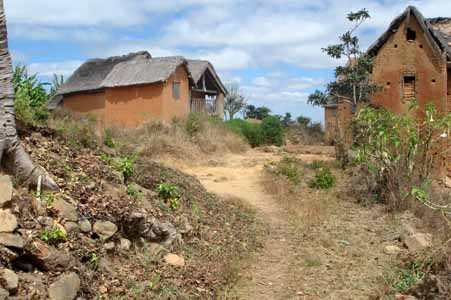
[181, 140]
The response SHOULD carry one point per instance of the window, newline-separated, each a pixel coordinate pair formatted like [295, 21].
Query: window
[176, 90]
[411, 35]
[409, 87]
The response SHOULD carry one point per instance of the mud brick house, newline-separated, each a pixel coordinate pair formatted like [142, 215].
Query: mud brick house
[136, 88]
[412, 60]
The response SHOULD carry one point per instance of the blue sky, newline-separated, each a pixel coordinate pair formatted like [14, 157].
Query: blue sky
[271, 48]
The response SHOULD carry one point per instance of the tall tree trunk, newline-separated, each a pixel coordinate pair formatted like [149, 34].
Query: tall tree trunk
[12, 155]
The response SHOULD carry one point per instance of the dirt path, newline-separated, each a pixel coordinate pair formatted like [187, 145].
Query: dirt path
[239, 176]
[326, 247]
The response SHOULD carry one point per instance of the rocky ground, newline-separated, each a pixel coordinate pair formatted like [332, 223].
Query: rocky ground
[104, 236]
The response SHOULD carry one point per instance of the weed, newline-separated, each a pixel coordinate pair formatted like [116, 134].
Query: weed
[125, 165]
[93, 260]
[48, 198]
[170, 193]
[315, 165]
[312, 262]
[324, 179]
[53, 236]
[108, 139]
[134, 192]
[194, 124]
[405, 278]
[288, 167]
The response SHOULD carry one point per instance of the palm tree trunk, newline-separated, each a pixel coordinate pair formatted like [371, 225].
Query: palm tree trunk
[12, 155]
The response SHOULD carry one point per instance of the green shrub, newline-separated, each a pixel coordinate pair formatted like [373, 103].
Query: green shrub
[272, 131]
[125, 165]
[400, 152]
[170, 193]
[53, 236]
[251, 131]
[324, 179]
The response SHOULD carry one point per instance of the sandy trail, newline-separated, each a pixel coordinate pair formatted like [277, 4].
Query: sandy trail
[240, 176]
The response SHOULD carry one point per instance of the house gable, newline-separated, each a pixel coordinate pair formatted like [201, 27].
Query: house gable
[408, 65]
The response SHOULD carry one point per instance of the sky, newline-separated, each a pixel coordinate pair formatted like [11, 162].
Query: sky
[270, 48]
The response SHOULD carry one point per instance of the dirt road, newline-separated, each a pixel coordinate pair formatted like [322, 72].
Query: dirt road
[240, 176]
[339, 258]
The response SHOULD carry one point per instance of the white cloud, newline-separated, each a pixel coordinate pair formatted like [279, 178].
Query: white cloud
[225, 59]
[47, 69]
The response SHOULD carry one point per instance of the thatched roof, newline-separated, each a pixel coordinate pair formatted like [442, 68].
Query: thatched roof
[90, 75]
[436, 30]
[137, 72]
[198, 67]
[132, 69]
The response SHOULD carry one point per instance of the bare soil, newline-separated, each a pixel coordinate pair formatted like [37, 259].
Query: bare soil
[326, 246]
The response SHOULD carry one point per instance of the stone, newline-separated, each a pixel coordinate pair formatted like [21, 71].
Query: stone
[105, 229]
[7, 255]
[418, 241]
[4, 294]
[392, 250]
[47, 257]
[125, 244]
[85, 226]
[45, 221]
[6, 190]
[11, 240]
[174, 260]
[71, 227]
[9, 280]
[65, 210]
[66, 287]
[448, 182]
[8, 221]
[109, 246]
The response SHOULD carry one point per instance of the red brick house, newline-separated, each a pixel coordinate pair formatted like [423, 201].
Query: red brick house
[136, 88]
[412, 60]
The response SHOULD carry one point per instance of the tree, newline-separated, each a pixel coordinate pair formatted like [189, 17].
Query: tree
[12, 155]
[303, 121]
[286, 120]
[57, 82]
[234, 102]
[352, 80]
[258, 113]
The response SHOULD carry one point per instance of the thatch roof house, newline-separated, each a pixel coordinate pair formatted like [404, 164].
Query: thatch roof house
[136, 88]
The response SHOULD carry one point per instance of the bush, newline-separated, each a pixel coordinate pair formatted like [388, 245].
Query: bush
[108, 139]
[400, 152]
[269, 132]
[324, 179]
[170, 193]
[272, 131]
[251, 131]
[31, 97]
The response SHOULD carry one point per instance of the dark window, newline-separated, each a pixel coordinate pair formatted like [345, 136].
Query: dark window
[409, 87]
[411, 35]
[176, 90]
